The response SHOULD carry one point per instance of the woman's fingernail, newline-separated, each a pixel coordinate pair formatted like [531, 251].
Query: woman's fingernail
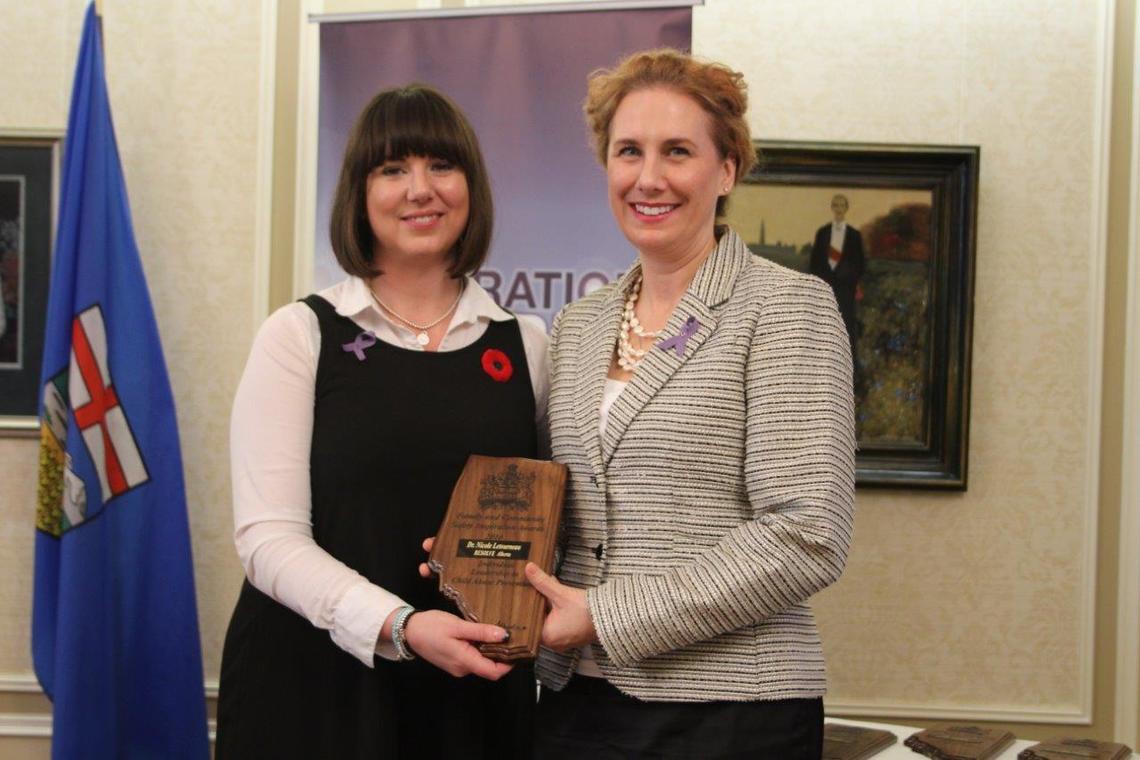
[506, 635]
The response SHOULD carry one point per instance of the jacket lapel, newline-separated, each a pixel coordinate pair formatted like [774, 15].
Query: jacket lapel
[711, 287]
[595, 352]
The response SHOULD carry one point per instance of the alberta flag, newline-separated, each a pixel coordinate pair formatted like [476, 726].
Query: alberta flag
[114, 625]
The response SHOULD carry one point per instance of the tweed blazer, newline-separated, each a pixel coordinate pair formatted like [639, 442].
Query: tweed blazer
[722, 495]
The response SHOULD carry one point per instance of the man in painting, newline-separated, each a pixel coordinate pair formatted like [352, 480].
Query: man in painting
[837, 259]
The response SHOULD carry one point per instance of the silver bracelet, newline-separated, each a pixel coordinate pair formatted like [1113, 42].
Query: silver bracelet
[403, 652]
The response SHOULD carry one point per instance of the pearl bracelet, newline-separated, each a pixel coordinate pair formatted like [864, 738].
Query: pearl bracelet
[403, 652]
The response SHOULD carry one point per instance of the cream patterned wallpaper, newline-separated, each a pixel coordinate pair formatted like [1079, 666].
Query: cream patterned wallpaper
[965, 601]
[38, 62]
[34, 39]
[183, 81]
[939, 586]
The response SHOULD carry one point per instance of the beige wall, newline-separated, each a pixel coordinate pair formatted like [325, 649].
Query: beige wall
[979, 604]
[979, 601]
[183, 80]
[987, 604]
[994, 604]
[1122, 370]
[40, 43]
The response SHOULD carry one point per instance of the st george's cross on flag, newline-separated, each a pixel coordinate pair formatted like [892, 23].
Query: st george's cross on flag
[114, 622]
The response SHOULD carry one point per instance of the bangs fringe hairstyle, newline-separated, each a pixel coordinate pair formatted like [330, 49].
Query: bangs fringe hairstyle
[720, 91]
[416, 120]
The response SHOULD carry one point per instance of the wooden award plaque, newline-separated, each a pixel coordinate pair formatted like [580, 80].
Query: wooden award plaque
[842, 742]
[958, 742]
[1064, 748]
[504, 512]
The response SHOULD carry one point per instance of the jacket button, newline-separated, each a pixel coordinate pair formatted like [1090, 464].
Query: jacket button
[594, 480]
[598, 551]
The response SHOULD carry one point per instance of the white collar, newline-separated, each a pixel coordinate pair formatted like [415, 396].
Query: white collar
[354, 298]
[475, 303]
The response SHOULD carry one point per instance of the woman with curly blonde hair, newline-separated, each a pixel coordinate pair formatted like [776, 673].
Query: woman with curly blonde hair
[703, 405]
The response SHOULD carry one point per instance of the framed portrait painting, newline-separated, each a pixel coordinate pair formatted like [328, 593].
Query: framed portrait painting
[28, 182]
[891, 228]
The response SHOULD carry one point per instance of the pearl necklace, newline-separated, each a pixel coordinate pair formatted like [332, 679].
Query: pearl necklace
[422, 338]
[629, 357]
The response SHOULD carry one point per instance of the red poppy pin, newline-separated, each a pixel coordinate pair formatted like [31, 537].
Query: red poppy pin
[497, 365]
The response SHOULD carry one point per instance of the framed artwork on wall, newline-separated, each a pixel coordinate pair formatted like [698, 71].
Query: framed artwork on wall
[891, 228]
[29, 174]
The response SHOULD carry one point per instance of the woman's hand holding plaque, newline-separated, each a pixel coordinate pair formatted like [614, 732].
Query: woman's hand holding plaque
[504, 513]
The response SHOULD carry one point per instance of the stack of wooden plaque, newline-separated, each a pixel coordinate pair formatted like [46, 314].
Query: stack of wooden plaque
[1062, 748]
[960, 742]
[841, 742]
[503, 513]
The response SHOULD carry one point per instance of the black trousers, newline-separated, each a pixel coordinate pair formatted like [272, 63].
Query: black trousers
[592, 719]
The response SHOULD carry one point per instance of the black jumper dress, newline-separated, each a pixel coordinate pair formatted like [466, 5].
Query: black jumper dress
[391, 434]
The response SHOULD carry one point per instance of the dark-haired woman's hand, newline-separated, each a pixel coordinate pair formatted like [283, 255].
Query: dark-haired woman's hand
[425, 571]
[448, 642]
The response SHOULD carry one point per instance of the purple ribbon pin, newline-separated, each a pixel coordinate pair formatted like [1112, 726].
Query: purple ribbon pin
[681, 339]
[366, 339]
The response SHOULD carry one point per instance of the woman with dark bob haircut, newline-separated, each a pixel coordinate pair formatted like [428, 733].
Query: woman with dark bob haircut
[702, 403]
[358, 408]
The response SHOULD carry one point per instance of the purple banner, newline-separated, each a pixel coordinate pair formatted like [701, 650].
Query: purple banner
[521, 80]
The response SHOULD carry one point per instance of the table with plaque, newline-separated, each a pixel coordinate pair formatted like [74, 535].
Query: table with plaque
[1066, 748]
[900, 751]
[843, 742]
[957, 741]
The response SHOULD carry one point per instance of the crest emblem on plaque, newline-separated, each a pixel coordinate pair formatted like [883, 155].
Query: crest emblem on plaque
[510, 490]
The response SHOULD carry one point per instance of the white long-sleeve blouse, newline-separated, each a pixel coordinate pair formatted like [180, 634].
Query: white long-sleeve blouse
[270, 435]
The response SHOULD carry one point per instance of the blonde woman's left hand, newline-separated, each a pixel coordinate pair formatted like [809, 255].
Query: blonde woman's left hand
[568, 623]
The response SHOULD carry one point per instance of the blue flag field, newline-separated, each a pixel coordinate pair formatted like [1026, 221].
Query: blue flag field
[114, 623]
